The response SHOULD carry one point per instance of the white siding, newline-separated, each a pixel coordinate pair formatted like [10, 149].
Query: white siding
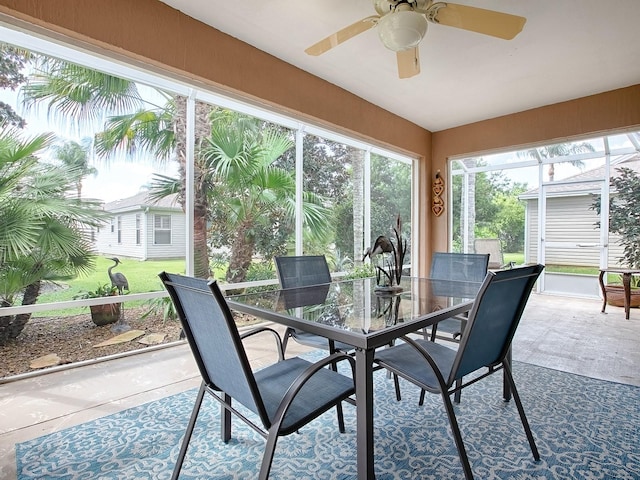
[107, 241]
[177, 247]
[569, 219]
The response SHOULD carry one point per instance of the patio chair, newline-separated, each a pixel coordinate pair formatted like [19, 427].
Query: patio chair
[284, 396]
[464, 267]
[298, 271]
[485, 343]
[492, 247]
[304, 271]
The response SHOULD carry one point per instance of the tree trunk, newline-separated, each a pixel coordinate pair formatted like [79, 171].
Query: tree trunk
[471, 210]
[12, 325]
[357, 160]
[200, 209]
[241, 254]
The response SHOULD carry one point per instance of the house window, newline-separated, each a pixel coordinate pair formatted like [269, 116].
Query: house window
[119, 229]
[162, 229]
[138, 229]
[113, 227]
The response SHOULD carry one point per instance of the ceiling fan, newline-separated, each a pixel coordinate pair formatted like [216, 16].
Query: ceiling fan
[403, 23]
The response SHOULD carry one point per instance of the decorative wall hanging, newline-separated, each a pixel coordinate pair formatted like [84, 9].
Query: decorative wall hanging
[437, 204]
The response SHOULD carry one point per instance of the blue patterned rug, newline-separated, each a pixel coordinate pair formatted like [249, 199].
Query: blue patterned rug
[584, 429]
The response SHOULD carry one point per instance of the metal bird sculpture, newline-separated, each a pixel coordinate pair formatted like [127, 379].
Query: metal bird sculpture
[118, 280]
[381, 245]
[392, 265]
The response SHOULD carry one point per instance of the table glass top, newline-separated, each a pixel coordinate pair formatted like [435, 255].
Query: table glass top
[357, 306]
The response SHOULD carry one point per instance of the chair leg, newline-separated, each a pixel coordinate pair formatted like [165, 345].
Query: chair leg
[285, 340]
[225, 419]
[456, 396]
[334, 367]
[523, 417]
[269, 450]
[341, 428]
[188, 432]
[396, 384]
[453, 422]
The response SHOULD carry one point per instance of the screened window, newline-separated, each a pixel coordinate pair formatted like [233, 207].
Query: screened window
[291, 189]
[162, 229]
[547, 204]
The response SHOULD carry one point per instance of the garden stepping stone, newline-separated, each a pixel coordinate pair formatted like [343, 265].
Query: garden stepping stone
[152, 339]
[122, 338]
[46, 361]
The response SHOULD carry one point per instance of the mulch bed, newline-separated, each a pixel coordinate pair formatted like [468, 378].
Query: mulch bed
[72, 338]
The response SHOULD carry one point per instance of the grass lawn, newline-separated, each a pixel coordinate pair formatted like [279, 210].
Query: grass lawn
[142, 277]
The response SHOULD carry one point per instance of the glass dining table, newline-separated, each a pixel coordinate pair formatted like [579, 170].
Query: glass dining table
[357, 313]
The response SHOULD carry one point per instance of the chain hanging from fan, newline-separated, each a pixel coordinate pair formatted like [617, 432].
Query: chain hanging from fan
[402, 24]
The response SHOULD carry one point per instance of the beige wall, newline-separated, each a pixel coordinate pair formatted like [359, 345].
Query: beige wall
[150, 32]
[156, 34]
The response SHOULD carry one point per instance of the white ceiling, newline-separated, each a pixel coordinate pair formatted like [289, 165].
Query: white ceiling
[567, 49]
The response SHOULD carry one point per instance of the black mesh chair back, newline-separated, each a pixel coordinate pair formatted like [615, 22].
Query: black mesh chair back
[302, 270]
[465, 267]
[493, 320]
[285, 396]
[484, 348]
[297, 272]
[214, 339]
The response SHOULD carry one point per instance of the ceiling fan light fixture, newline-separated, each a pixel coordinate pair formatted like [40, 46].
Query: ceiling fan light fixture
[402, 30]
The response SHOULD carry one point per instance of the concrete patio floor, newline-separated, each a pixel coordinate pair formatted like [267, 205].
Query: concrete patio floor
[568, 334]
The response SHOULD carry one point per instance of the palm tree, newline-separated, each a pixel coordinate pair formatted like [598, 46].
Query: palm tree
[134, 127]
[41, 226]
[81, 94]
[558, 150]
[245, 187]
[76, 156]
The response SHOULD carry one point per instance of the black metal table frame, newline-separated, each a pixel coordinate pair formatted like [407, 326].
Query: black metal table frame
[365, 345]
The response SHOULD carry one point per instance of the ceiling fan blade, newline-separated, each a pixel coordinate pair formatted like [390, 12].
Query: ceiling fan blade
[342, 35]
[488, 22]
[408, 62]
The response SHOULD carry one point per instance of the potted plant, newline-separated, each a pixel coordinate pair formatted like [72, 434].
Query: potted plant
[106, 313]
[624, 221]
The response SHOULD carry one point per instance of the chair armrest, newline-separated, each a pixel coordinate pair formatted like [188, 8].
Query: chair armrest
[277, 336]
[307, 374]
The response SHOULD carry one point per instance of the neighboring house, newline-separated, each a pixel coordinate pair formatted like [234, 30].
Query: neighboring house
[143, 229]
[571, 235]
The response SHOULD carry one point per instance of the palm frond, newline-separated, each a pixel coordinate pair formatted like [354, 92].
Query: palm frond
[73, 91]
[143, 132]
